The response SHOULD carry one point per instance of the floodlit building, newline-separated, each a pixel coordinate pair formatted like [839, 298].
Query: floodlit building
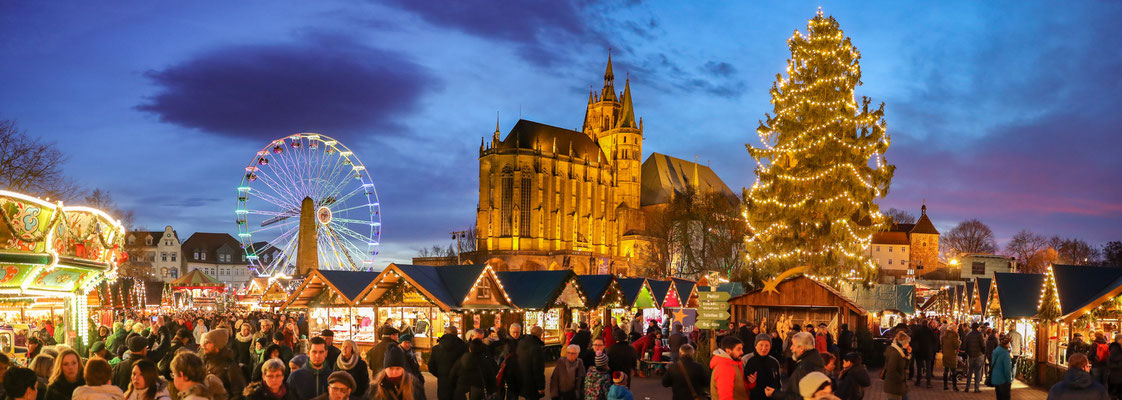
[218, 255]
[157, 254]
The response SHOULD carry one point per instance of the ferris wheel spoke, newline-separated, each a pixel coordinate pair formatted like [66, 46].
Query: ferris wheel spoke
[363, 205]
[331, 177]
[353, 221]
[337, 182]
[288, 213]
[344, 198]
[287, 197]
[282, 227]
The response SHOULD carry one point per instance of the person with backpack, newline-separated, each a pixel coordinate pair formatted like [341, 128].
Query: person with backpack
[1098, 355]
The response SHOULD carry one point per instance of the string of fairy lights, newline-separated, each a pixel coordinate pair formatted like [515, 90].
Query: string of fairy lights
[814, 181]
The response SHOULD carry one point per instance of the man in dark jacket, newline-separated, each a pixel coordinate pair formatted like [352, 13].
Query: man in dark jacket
[511, 379]
[1114, 364]
[122, 372]
[449, 347]
[311, 380]
[583, 337]
[1077, 383]
[853, 379]
[1098, 354]
[686, 377]
[219, 361]
[376, 356]
[677, 339]
[975, 346]
[807, 360]
[845, 340]
[182, 337]
[531, 360]
[621, 356]
[922, 340]
[761, 370]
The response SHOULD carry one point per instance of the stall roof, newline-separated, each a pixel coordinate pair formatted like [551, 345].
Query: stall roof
[347, 283]
[632, 288]
[1018, 294]
[967, 305]
[734, 288]
[661, 290]
[881, 297]
[1084, 287]
[983, 293]
[445, 286]
[685, 289]
[595, 288]
[535, 289]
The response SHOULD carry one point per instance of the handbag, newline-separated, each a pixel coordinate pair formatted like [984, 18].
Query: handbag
[689, 382]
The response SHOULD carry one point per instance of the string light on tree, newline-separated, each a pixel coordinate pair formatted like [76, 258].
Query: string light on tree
[821, 166]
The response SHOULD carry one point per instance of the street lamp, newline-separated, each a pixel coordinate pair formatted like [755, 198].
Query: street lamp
[457, 236]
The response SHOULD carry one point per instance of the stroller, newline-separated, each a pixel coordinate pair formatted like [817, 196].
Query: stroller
[962, 367]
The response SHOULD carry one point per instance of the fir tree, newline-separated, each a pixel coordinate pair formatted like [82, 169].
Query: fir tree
[821, 166]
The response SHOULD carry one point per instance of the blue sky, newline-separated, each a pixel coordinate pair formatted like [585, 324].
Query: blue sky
[1003, 111]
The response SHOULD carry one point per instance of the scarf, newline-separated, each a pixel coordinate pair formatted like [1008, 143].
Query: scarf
[245, 338]
[347, 365]
[276, 395]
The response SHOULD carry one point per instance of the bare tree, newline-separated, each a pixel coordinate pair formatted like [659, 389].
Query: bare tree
[31, 166]
[900, 216]
[1027, 247]
[1112, 254]
[1074, 251]
[102, 200]
[970, 236]
[693, 234]
[437, 251]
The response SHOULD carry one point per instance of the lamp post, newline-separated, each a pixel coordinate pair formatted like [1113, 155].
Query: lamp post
[457, 236]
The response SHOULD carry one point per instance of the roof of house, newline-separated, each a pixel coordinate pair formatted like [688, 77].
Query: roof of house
[210, 243]
[891, 237]
[530, 135]
[534, 289]
[631, 287]
[663, 176]
[924, 225]
[139, 235]
[595, 287]
[1018, 294]
[1081, 285]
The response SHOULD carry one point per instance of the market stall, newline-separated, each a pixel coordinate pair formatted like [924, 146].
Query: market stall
[981, 298]
[1077, 298]
[802, 300]
[1012, 303]
[197, 290]
[637, 297]
[603, 294]
[51, 254]
[275, 295]
[687, 292]
[546, 299]
[425, 300]
[327, 297]
[666, 296]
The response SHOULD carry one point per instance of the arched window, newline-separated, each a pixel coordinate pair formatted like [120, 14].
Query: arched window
[506, 202]
[524, 208]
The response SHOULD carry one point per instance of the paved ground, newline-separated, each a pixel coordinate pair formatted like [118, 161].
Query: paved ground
[651, 389]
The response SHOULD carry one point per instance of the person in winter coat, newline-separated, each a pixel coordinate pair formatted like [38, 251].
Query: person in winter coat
[1076, 345]
[1114, 365]
[122, 372]
[896, 359]
[853, 379]
[311, 380]
[598, 379]
[922, 339]
[271, 386]
[761, 370]
[727, 381]
[199, 331]
[1002, 373]
[272, 352]
[66, 376]
[686, 378]
[393, 383]
[350, 361]
[449, 347]
[845, 340]
[1077, 383]
[583, 338]
[1098, 354]
[188, 376]
[98, 386]
[146, 383]
[949, 344]
[991, 345]
[531, 361]
[473, 374]
[643, 344]
[377, 354]
[619, 389]
[242, 345]
[677, 339]
[806, 360]
[622, 357]
[568, 376]
[975, 346]
[219, 361]
[20, 384]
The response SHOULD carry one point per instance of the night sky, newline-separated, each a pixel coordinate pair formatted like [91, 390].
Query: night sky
[1009, 112]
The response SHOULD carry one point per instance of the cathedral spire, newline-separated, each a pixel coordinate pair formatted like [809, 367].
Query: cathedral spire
[627, 116]
[495, 136]
[608, 94]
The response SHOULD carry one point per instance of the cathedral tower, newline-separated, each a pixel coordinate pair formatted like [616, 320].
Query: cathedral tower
[610, 121]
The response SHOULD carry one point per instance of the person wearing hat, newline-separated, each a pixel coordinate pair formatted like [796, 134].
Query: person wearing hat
[761, 369]
[1002, 373]
[598, 378]
[375, 357]
[340, 386]
[816, 386]
[219, 361]
[619, 389]
[449, 347]
[411, 364]
[122, 372]
[896, 359]
[332, 351]
[98, 350]
[392, 382]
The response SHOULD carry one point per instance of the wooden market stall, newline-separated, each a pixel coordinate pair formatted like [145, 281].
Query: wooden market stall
[545, 298]
[666, 296]
[602, 294]
[1074, 300]
[801, 299]
[275, 295]
[1013, 304]
[425, 300]
[981, 299]
[328, 298]
[687, 292]
[637, 297]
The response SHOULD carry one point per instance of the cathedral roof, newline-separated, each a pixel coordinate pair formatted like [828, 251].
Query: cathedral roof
[531, 135]
[664, 175]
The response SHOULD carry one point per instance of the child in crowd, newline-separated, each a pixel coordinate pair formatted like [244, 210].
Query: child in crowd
[619, 388]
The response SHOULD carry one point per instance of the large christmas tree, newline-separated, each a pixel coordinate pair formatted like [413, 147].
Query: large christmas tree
[821, 166]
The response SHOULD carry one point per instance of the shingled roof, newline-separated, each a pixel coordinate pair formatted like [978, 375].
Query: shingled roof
[530, 135]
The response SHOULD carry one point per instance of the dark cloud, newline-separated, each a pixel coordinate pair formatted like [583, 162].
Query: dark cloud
[327, 85]
[719, 68]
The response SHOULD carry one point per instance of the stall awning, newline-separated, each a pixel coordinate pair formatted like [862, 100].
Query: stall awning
[540, 290]
[1018, 295]
[599, 290]
[636, 293]
[983, 291]
[447, 287]
[686, 291]
[1082, 288]
[330, 288]
[881, 297]
[664, 293]
[197, 279]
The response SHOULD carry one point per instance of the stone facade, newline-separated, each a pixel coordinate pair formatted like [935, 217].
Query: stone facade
[984, 265]
[906, 250]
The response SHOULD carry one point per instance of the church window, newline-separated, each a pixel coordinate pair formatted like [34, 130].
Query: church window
[524, 218]
[508, 194]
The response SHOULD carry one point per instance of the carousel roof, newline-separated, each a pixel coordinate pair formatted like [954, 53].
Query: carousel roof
[595, 287]
[196, 279]
[535, 289]
[1017, 293]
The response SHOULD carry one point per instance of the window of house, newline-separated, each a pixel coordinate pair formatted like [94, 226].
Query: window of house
[132, 240]
[890, 261]
[903, 249]
[148, 240]
[878, 248]
[978, 268]
[164, 257]
[902, 263]
[167, 243]
[889, 249]
[173, 257]
[203, 254]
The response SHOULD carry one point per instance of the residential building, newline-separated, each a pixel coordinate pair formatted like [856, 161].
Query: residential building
[154, 255]
[984, 265]
[218, 255]
[906, 250]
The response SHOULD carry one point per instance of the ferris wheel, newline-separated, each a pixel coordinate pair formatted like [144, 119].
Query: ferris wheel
[289, 175]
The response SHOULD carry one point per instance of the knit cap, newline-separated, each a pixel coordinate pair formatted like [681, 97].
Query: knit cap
[395, 358]
[811, 382]
[619, 377]
[763, 337]
[343, 377]
[299, 360]
[218, 337]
